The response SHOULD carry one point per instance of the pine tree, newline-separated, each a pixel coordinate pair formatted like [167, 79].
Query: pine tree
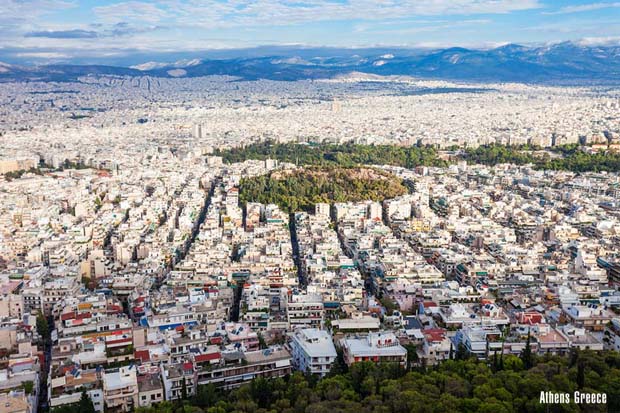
[184, 390]
[581, 374]
[461, 352]
[526, 354]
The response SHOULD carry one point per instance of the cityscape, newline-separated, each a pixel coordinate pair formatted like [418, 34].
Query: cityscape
[306, 228]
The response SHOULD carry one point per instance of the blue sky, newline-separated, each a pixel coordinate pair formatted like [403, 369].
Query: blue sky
[65, 29]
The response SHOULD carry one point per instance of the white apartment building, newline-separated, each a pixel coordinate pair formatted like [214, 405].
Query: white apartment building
[313, 351]
[305, 310]
[382, 347]
[120, 389]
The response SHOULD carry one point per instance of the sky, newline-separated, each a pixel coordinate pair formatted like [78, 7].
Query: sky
[64, 30]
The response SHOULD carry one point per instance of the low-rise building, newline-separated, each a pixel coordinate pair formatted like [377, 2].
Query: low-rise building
[382, 347]
[120, 389]
[313, 351]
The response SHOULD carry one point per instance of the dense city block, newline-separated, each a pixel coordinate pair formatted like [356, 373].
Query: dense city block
[216, 245]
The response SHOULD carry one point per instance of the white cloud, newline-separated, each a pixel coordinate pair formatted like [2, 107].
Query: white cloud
[43, 55]
[438, 27]
[585, 8]
[599, 41]
[235, 13]
[134, 11]
[22, 8]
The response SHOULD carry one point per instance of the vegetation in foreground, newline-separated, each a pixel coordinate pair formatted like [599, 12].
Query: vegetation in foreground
[346, 155]
[504, 385]
[301, 189]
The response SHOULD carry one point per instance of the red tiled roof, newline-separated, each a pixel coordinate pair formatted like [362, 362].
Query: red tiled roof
[82, 316]
[529, 318]
[435, 334]
[142, 355]
[207, 357]
[119, 340]
[67, 316]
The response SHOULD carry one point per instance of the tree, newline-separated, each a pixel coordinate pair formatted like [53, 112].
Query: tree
[85, 404]
[501, 361]
[43, 326]
[412, 355]
[184, 389]
[206, 396]
[261, 341]
[88, 282]
[461, 352]
[28, 386]
[573, 356]
[340, 366]
[389, 304]
[526, 353]
[512, 363]
[581, 374]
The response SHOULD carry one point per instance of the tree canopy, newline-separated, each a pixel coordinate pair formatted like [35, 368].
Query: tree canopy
[466, 385]
[571, 158]
[331, 154]
[303, 188]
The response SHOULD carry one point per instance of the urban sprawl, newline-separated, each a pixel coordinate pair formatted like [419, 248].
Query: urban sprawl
[132, 273]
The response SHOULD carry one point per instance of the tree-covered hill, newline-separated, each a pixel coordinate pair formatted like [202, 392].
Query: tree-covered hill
[301, 189]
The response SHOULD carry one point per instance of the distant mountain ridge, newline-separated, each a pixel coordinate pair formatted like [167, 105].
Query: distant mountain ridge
[159, 65]
[562, 62]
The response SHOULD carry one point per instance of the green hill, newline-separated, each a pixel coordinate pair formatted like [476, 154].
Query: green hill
[301, 189]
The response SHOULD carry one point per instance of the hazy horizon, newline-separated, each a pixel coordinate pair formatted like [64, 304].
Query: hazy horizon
[69, 31]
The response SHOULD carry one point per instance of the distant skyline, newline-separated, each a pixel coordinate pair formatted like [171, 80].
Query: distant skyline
[34, 31]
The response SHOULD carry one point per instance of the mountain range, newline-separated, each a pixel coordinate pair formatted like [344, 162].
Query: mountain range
[566, 62]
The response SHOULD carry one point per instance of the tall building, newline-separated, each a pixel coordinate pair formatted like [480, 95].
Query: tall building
[198, 131]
